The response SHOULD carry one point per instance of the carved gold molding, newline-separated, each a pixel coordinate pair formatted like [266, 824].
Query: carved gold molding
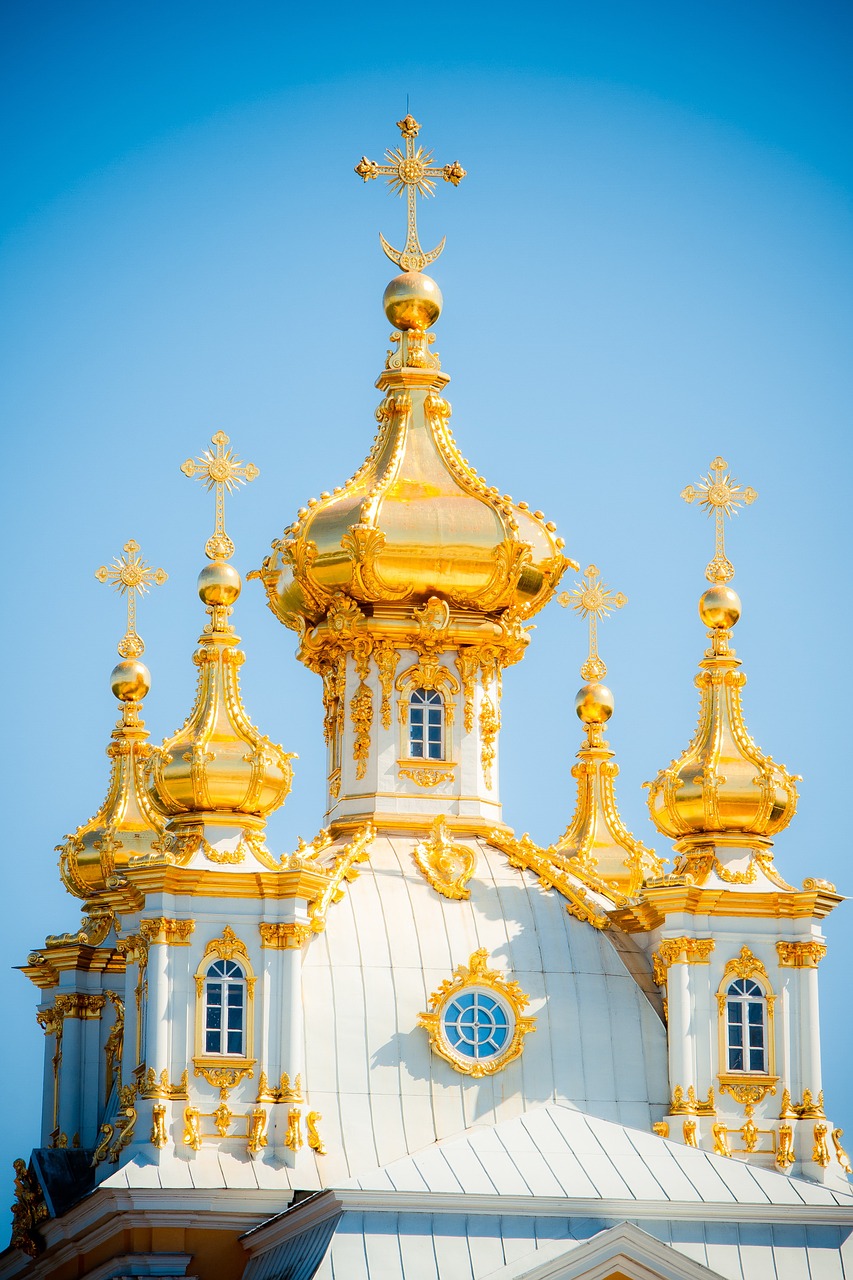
[445, 865]
[284, 935]
[680, 951]
[526, 855]
[426, 776]
[154, 1086]
[171, 933]
[800, 955]
[224, 1078]
[685, 1102]
[285, 1092]
[343, 870]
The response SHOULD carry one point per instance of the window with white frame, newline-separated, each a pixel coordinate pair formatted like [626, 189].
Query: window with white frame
[746, 1027]
[426, 725]
[225, 1009]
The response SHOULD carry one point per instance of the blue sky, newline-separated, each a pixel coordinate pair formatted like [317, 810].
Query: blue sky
[648, 264]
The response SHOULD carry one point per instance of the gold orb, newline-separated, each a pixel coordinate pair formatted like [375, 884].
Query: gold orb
[594, 703]
[412, 301]
[219, 583]
[719, 607]
[130, 680]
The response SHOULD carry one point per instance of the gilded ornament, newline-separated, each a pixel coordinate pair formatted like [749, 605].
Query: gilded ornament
[680, 951]
[154, 1086]
[361, 715]
[747, 1092]
[800, 955]
[593, 601]
[131, 576]
[689, 1131]
[222, 1118]
[293, 1138]
[343, 871]
[159, 1137]
[490, 723]
[105, 1137]
[284, 936]
[686, 1102]
[411, 170]
[126, 1123]
[221, 471]
[661, 1128]
[114, 1045]
[785, 1151]
[840, 1154]
[810, 1109]
[426, 776]
[525, 855]
[750, 1135]
[445, 865]
[285, 1092]
[192, 1128]
[721, 496]
[386, 658]
[257, 1137]
[820, 1150]
[427, 673]
[170, 933]
[477, 975]
[28, 1211]
[315, 1142]
[721, 1139]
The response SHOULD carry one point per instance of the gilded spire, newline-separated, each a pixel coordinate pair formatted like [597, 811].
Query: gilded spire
[596, 845]
[128, 825]
[723, 792]
[410, 169]
[218, 770]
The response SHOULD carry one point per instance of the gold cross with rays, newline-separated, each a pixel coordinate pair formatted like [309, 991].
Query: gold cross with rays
[220, 471]
[411, 171]
[592, 600]
[721, 495]
[131, 576]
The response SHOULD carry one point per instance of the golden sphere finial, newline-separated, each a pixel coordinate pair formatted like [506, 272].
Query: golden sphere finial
[719, 607]
[412, 301]
[219, 583]
[594, 703]
[130, 680]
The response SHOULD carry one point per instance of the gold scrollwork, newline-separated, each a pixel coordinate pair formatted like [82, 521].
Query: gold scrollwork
[171, 933]
[425, 776]
[476, 974]
[192, 1128]
[820, 1150]
[446, 866]
[840, 1154]
[284, 935]
[293, 1138]
[680, 951]
[256, 1131]
[689, 1132]
[524, 854]
[721, 1139]
[661, 1128]
[785, 1151]
[159, 1137]
[800, 955]
[343, 871]
[315, 1142]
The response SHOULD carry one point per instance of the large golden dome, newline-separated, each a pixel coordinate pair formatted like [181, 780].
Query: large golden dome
[416, 520]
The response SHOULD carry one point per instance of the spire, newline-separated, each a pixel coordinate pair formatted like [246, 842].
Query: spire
[128, 826]
[596, 845]
[218, 777]
[723, 792]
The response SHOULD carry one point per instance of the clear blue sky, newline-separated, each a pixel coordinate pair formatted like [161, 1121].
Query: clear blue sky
[649, 264]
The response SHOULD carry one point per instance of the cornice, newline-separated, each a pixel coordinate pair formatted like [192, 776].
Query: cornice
[651, 909]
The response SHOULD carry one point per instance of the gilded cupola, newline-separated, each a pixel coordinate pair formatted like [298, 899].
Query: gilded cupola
[723, 791]
[129, 825]
[218, 778]
[416, 520]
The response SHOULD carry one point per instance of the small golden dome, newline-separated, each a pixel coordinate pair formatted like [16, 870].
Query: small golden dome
[720, 608]
[130, 681]
[219, 768]
[219, 583]
[594, 704]
[723, 788]
[412, 301]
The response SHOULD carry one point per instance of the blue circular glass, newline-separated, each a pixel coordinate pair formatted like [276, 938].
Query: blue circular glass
[476, 1025]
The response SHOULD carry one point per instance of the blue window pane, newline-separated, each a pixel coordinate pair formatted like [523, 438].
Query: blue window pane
[211, 1042]
[214, 1016]
[417, 715]
[735, 1059]
[235, 996]
[756, 1060]
[235, 1042]
[736, 1035]
[756, 1013]
[214, 993]
[476, 1025]
[756, 1037]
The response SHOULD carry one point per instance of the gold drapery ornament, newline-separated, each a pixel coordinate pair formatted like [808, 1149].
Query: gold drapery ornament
[221, 471]
[592, 600]
[721, 496]
[410, 170]
[445, 865]
[131, 577]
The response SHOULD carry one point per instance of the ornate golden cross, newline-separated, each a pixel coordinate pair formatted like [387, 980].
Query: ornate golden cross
[721, 495]
[220, 471]
[131, 576]
[413, 172]
[592, 600]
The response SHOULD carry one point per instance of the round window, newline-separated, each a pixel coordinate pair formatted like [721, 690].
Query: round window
[477, 1025]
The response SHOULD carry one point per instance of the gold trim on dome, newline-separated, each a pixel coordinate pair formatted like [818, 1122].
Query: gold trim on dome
[476, 975]
[445, 865]
[527, 856]
[800, 955]
[343, 871]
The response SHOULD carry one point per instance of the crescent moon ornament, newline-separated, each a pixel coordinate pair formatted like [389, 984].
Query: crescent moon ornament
[410, 170]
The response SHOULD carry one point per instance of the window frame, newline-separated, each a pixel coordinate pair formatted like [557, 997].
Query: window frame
[746, 967]
[743, 1001]
[208, 1063]
[430, 701]
[227, 982]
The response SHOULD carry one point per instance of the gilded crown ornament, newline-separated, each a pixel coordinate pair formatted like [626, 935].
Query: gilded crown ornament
[129, 825]
[410, 170]
[723, 792]
[218, 772]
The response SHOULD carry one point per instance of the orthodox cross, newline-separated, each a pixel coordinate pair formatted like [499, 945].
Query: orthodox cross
[411, 171]
[721, 495]
[220, 471]
[592, 600]
[131, 576]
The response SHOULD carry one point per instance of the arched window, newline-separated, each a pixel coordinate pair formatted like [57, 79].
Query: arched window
[225, 1009]
[746, 1027]
[426, 725]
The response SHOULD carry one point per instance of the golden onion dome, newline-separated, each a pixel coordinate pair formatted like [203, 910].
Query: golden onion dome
[218, 768]
[723, 789]
[128, 827]
[415, 520]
